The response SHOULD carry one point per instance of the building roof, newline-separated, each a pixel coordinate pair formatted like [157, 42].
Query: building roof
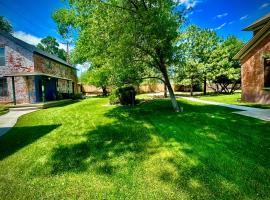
[260, 22]
[34, 49]
[257, 38]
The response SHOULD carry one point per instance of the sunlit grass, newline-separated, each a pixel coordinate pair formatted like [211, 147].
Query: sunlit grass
[88, 150]
[233, 99]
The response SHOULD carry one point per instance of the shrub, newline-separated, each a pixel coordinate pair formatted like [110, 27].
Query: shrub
[77, 96]
[114, 97]
[124, 95]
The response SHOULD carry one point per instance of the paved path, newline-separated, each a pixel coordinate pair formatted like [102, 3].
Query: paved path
[8, 120]
[263, 114]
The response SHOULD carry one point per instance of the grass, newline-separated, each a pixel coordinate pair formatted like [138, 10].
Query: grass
[88, 150]
[3, 110]
[233, 99]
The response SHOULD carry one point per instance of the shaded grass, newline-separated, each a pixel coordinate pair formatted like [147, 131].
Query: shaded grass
[3, 109]
[90, 151]
[233, 99]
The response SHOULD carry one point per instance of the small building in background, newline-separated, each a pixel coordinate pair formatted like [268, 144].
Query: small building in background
[255, 63]
[30, 75]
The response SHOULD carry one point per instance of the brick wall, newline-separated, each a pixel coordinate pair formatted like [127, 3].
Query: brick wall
[252, 74]
[18, 60]
[48, 66]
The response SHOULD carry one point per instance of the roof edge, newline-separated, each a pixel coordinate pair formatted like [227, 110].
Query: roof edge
[33, 49]
[254, 41]
[261, 21]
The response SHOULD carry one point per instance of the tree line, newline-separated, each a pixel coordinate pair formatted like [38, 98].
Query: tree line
[129, 41]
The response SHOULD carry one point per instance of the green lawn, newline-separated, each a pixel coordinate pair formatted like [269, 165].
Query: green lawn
[3, 110]
[88, 150]
[233, 99]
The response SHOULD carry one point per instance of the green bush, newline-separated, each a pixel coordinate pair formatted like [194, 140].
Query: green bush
[77, 96]
[114, 97]
[124, 95]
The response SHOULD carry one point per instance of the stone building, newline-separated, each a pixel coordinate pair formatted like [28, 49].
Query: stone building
[30, 75]
[255, 63]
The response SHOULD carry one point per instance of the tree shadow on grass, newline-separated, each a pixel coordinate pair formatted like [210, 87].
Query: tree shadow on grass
[215, 154]
[228, 153]
[19, 137]
[102, 146]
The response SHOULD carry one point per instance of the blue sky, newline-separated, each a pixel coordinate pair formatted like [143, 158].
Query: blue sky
[32, 20]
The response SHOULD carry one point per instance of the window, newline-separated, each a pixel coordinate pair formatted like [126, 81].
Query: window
[3, 87]
[2, 56]
[267, 73]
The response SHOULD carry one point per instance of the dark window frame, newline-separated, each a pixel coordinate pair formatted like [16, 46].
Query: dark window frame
[266, 71]
[3, 87]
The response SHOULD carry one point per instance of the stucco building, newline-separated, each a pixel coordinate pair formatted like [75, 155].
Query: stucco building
[255, 63]
[30, 75]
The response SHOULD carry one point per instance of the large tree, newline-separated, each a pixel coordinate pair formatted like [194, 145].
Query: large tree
[5, 25]
[225, 72]
[50, 45]
[128, 35]
[195, 47]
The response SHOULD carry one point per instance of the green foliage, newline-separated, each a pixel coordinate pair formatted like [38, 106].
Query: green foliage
[50, 45]
[77, 96]
[5, 25]
[124, 95]
[114, 97]
[225, 70]
[130, 37]
[203, 55]
[195, 46]
[97, 76]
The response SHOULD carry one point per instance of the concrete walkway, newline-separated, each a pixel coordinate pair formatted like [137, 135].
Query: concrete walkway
[8, 120]
[258, 113]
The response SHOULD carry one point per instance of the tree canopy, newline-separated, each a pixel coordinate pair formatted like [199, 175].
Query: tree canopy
[5, 25]
[50, 45]
[131, 36]
[203, 56]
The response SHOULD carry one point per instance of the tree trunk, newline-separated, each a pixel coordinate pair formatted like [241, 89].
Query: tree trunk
[171, 93]
[104, 91]
[191, 87]
[165, 91]
[204, 85]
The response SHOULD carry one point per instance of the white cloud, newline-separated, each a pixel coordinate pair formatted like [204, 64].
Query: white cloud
[264, 5]
[187, 3]
[243, 17]
[231, 22]
[222, 15]
[31, 39]
[221, 26]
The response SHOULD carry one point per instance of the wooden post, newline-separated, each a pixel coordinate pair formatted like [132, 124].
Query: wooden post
[13, 90]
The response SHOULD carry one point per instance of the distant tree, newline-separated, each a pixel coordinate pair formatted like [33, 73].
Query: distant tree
[98, 77]
[50, 45]
[5, 25]
[195, 46]
[225, 72]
